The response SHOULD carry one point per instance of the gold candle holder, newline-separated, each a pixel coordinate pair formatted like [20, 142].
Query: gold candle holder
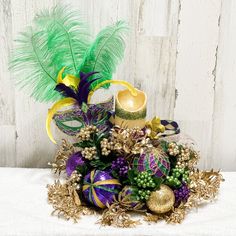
[130, 110]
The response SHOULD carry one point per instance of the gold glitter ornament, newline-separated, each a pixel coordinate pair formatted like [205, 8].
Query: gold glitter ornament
[161, 200]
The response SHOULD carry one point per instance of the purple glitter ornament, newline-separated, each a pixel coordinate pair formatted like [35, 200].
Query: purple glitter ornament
[73, 161]
[100, 188]
[121, 166]
[181, 194]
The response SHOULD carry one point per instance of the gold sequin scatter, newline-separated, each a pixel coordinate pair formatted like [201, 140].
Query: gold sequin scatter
[173, 149]
[86, 132]
[129, 141]
[89, 153]
[62, 155]
[106, 147]
[66, 202]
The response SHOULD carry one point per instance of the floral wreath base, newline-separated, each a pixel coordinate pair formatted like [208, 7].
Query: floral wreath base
[126, 170]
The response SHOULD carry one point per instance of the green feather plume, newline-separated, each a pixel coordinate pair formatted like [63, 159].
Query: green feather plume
[58, 38]
[106, 51]
[68, 37]
[30, 63]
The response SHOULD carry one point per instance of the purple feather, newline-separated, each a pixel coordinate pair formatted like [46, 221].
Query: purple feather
[84, 78]
[83, 91]
[66, 91]
[81, 95]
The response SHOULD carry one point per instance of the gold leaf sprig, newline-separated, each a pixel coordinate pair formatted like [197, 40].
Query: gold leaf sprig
[62, 155]
[205, 185]
[129, 141]
[117, 215]
[65, 199]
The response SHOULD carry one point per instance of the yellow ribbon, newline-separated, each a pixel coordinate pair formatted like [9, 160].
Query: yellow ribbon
[119, 82]
[56, 106]
[108, 181]
[68, 80]
[97, 200]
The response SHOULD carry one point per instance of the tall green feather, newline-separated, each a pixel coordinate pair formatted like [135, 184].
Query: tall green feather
[30, 65]
[106, 51]
[58, 38]
[68, 37]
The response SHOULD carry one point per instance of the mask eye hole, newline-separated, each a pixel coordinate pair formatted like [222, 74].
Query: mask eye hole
[70, 126]
[73, 124]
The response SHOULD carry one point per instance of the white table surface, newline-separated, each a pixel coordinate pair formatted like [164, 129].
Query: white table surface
[24, 211]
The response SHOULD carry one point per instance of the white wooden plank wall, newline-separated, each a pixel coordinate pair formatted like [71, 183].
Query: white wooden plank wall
[182, 53]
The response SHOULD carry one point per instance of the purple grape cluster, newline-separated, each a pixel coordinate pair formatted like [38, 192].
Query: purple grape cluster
[181, 194]
[120, 165]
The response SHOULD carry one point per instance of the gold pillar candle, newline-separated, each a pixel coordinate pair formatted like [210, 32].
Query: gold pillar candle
[130, 110]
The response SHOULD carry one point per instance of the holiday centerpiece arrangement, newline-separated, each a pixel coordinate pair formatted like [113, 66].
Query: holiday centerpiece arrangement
[118, 161]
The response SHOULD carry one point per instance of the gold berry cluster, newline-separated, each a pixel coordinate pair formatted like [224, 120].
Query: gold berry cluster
[106, 146]
[185, 156]
[185, 153]
[173, 149]
[193, 159]
[85, 133]
[75, 179]
[89, 152]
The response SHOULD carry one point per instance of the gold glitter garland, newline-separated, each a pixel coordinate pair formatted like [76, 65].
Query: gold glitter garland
[64, 152]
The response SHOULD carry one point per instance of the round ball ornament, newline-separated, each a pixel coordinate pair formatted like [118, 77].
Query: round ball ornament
[99, 188]
[161, 200]
[127, 196]
[155, 162]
